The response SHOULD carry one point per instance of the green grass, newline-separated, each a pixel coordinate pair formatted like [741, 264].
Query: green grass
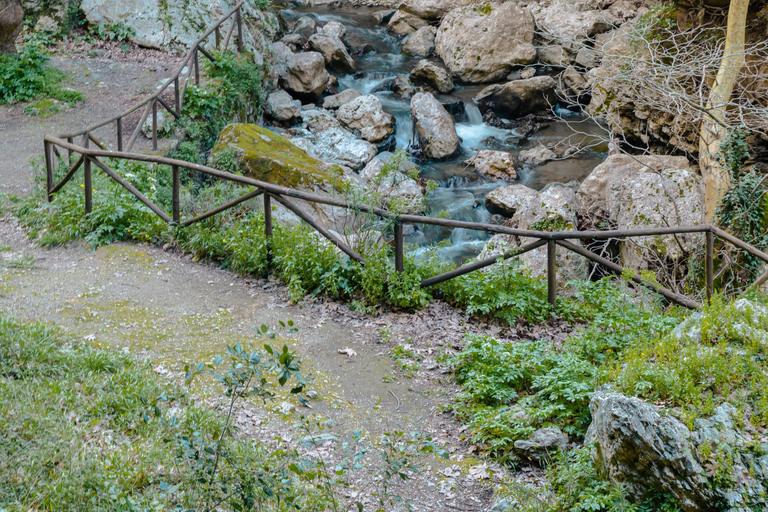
[90, 429]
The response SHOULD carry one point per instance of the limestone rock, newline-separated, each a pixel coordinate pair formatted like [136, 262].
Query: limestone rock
[303, 74]
[431, 77]
[554, 55]
[335, 29]
[537, 156]
[402, 87]
[543, 444]
[366, 115]
[11, 18]
[306, 27]
[483, 45]
[496, 165]
[337, 100]
[507, 201]
[332, 143]
[519, 97]
[430, 9]
[393, 186]
[646, 452]
[573, 83]
[334, 52]
[281, 107]
[435, 127]
[571, 20]
[403, 23]
[383, 16]
[421, 43]
[587, 58]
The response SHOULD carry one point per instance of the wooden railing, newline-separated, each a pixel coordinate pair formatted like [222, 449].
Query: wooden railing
[87, 157]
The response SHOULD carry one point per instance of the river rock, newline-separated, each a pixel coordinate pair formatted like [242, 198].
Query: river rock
[330, 142]
[507, 201]
[519, 97]
[383, 16]
[646, 452]
[334, 52]
[536, 156]
[397, 190]
[306, 27]
[303, 74]
[403, 23]
[335, 29]
[435, 127]
[294, 41]
[402, 87]
[554, 55]
[430, 9]
[543, 444]
[11, 18]
[648, 191]
[281, 107]
[573, 84]
[366, 115]
[431, 77]
[587, 58]
[421, 43]
[484, 44]
[571, 21]
[337, 100]
[495, 165]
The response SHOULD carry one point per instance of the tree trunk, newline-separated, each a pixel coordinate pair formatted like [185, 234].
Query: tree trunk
[11, 17]
[713, 128]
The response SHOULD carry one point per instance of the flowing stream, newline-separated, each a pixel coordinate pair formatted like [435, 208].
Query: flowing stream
[462, 191]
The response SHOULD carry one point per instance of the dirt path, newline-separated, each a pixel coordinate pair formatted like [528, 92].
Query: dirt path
[171, 310]
[111, 81]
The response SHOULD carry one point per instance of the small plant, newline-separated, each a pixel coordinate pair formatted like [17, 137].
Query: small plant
[27, 76]
[117, 31]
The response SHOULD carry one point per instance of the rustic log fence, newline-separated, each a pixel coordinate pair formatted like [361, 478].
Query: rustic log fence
[87, 157]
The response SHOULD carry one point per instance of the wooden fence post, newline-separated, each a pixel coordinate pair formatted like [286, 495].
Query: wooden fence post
[88, 185]
[197, 69]
[399, 266]
[119, 133]
[154, 124]
[175, 206]
[551, 272]
[239, 17]
[710, 256]
[268, 226]
[48, 169]
[177, 96]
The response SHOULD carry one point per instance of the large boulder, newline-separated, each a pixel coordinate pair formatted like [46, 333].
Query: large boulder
[495, 165]
[647, 453]
[366, 115]
[176, 25]
[329, 141]
[571, 21]
[404, 23]
[11, 18]
[483, 44]
[519, 97]
[435, 127]
[302, 74]
[334, 52]
[281, 107]
[305, 28]
[430, 9]
[397, 191]
[648, 191]
[421, 43]
[335, 101]
[431, 77]
[334, 29]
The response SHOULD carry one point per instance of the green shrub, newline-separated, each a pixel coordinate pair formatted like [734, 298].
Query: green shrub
[26, 76]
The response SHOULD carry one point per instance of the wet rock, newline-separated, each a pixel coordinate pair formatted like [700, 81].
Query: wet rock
[335, 101]
[435, 127]
[554, 55]
[402, 87]
[483, 44]
[421, 43]
[281, 107]
[496, 165]
[646, 452]
[383, 16]
[305, 27]
[430, 9]
[431, 77]
[393, 185]
[334, 29]
[364, 49]
[536, 156]
[366, 115]
[303, 74]
[648, 191]
[330, 142]
[518, 98]
[457, 109]
[334, 52]
[403, 23]
[11, 18]
[543, 444]
[507, 201]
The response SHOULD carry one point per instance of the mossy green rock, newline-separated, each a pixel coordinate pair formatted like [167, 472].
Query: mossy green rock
[266, 156]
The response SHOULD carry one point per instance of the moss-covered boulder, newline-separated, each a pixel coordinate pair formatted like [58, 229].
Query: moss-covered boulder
[263, 155]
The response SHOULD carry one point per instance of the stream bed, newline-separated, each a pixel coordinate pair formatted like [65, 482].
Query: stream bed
[461, 194]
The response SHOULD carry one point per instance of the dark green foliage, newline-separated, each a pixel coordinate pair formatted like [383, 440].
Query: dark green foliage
[26, 76]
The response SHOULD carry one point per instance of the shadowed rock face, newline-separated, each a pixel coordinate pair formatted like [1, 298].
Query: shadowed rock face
[11, 17]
